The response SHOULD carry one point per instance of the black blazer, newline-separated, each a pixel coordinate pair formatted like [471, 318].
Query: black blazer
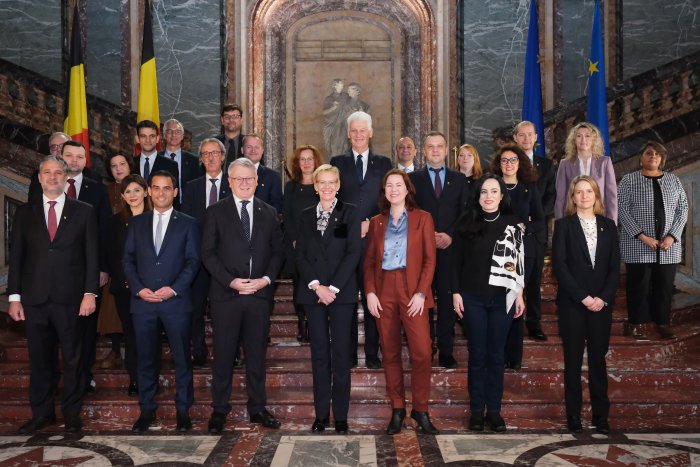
[366, 195]
[226, 252]
[194, 200]
[159, 163]
[572, 264]
[114, 239]
[58, 271]
[546, 183]
[269, 188]
[189, 166]
[231, 155]
[331, 259]
[453, 199]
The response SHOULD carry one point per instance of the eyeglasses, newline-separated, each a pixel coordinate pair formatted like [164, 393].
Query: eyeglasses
[232, 117]
[511, 161]
[56, 147]
[208, 154]
[242, 180]
[306, 159]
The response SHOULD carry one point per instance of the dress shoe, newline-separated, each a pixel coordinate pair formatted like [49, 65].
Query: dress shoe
[91, 387]
[199, 362]
[573, 423]
[133, 390]
[601, 425]
[265, 419]
[320, 424]
[665, 331]
[537, 334]
[237, 363]
[36, 424]
[513, 366]
[496, 422]
[72, 423]
[216, 423]
[637, 331]
[476, 422]
[145, 420]
[354, 362]
[423, 420]
[372, 362]
[448, 361]
[396, 422]
[341, 427]
[184, 423]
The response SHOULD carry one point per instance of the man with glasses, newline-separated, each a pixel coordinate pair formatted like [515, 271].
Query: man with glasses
[187, 163]
[232, 137]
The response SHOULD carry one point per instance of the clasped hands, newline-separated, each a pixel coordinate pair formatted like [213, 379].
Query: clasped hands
[248, 286]
[415, 305]
[653, 243]
[594, 304]
[160, 295]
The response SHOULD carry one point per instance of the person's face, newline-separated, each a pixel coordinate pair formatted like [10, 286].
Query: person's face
[584, 140]
[359, 133]
[52, 178]
[509, 164]
[466, 160]
[306, 162]
[490, 196]
[174, 135]
[338, 86]
[148, 139]
[353, 91]
[134, 195]
[253, 149]
[162, 192]
[405, 151]
[74, 157]
[119, 168]
[583, 196]
[651, 160]
[232, 121]
[212, 158]
[435, 150]
[326, 185]
[56, 145]
[395, 189]
[526, 137]
[243, 181]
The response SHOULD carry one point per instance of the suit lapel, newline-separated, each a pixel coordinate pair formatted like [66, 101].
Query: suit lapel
[64, 221]
[40, 219]
[601, 235]
[332, 224]
[172, 225]
[580, 238]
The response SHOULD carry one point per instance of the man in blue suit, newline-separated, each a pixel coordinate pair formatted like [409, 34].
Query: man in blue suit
[269, 187]
[161, 259]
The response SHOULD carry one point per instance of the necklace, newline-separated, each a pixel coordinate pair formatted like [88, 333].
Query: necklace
[491, 220]
[511, 188]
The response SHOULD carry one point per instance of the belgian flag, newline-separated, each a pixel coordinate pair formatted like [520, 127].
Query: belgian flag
[148, 84]
[76, 124]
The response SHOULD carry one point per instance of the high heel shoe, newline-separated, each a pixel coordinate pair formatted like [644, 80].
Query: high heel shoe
[396, 422]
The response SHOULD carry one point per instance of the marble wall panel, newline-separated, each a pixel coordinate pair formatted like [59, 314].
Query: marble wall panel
[576, 19]
[103, 49]
[671, 28]
[31, 35]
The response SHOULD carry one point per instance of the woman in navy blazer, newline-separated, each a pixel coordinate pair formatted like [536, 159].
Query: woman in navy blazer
[328, 250]
[586, 262]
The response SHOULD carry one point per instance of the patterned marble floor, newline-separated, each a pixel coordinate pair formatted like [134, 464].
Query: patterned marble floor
[254, 447]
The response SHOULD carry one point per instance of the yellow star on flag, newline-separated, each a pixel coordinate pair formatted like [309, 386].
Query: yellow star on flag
[592, 67]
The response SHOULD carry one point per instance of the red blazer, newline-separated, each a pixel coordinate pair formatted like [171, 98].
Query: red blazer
[420, 259]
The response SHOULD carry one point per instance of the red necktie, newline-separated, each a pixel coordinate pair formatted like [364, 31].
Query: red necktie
[72, 194]
[438, 183]
[51, 221]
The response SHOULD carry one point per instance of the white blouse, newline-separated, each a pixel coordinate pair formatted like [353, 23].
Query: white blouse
[590, 231]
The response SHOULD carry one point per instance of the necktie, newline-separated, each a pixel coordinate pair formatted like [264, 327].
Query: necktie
[159, 233]
[245, 219]
[358, 167]
[51, 221]
[146, 169]
[213, 191]
[172, 156]
[438, 183]
[72, 194]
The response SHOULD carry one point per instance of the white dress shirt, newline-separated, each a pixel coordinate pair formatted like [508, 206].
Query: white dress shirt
[151, 159]
[165, 220]
[365, 160]
[408, 169]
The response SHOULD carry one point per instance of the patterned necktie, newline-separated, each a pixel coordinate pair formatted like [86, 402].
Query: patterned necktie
[52, 222]
[72, 193]
[438, 183]
[245, 219]
[359, 168]
[172, 156]
[146, 169]
[159, 233]
[213, 191]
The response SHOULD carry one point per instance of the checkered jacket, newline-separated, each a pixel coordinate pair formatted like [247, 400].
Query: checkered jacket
[636, 214]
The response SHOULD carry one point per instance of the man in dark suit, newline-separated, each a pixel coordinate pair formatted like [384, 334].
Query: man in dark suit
[443, 193]
[232, 137]
[161, 259]
[53, 280]
[405, 154]
[361, 174]
[188, 165]
[525, 136]
[149, 161]
[243, 251]
[269, 183]
[201, 193]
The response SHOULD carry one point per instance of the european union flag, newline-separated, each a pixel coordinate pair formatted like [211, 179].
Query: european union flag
[532, 92]
[597, 112]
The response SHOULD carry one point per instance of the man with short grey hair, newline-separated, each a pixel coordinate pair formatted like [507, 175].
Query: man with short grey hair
[187, 163]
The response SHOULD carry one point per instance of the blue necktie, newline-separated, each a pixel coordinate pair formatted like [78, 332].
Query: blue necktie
[358, 167]
[146, 169]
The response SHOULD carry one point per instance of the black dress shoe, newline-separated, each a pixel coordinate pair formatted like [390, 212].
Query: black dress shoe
[266, 419]
[537, 334]
[448, 361]
[423, 420]
[496, 422]
[601, 425]
[320, 424]
[216, 423]
[513, 366]
[373, 362]
[36, 424]
[91, 387]
[237, 362]
[133, 390]
[184, 423]
[341, 427]
[145, 420]
[476, 422]
[573, 423]
[199, 362]
[396, 422]
[72, 423]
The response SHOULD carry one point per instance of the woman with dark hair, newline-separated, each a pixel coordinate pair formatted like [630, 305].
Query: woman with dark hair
[399, 293]
[511, 163]
[586, 263]
[488, 272]
[119, 166]
[134, 192]
[299, 194]
[653, 210]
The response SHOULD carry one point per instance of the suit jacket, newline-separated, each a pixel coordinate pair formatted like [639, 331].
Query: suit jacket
[58, 271]
[113, 251]
[158, 163]
[572, 265]
[366, 195]
[269, 188]
[194, 201]
[231, 155]
[331, 258]
[453, 199]
[190, 168]
[602, 172]
[36, 192]
[226, 252]
[546, 183]
[175, 265]
[420, 257]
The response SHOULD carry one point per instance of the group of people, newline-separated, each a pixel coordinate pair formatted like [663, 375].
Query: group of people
[421, 248]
